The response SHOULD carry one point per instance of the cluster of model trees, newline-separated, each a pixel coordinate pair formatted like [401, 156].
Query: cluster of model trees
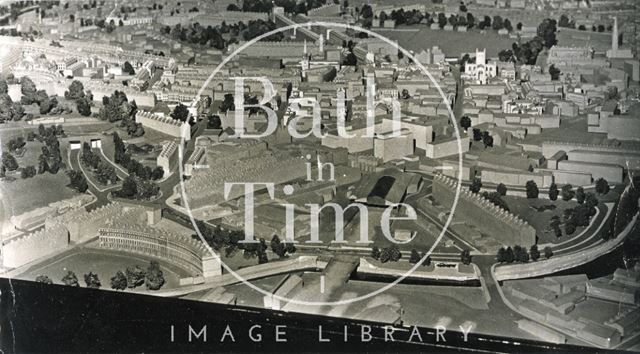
[527, 52]
[282, 248]
[290, 6]
[564, 21]
[213, 36]
[49, 160]
[387, 254]
[134, 187]
[411, 17]
[520, 254]
[627, 208]
[9, 110]
[483, 136]
[578, 216]
[133, 277]
[31, 95]
[104, 172]
[180, 112]
[117, 108]
[83, 100]
[77, 181]
[229, 240]
[493, 197]
[140, 182]
[71, 279]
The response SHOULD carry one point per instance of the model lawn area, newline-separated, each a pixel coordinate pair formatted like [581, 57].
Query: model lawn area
[105, 263]
[22, 195]
[453, 43]
[525, 208]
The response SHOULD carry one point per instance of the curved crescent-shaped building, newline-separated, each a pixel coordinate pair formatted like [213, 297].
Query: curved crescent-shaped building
[182, 251]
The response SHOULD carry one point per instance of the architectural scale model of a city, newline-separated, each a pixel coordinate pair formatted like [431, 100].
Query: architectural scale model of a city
[121, 135]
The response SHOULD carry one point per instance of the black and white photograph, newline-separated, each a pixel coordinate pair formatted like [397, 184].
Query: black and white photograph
[354, 176]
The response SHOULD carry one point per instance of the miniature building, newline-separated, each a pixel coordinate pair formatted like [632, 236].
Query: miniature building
[168, 157]
[447, 147]
[29, 247]
[133, 232]
[388, 147]
[388, 187]
[510, 178]
[169, 126]
[481, 70]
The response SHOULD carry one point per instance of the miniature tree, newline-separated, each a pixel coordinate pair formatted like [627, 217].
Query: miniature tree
[157, 173]
[181, 113]
[580, 195]
[76, 91]
[128, 68]
[548, 253]
[375, 252]
[394, 253]
[567, 192]
[590, 201]
[277, 247]
[475, 186]
[465, 122]
[569, 227]
[214, 122]
[500, 257]
[532, 189]
[553, 191]
[487, 140]
[28, 172]
[9, 162]
[465, 257]
[385, 255]
[554, 72]
[520, 254]
[70, 279]
[43, 279]
[534, 253]
[119, 281]
[415, 257]
[92, 280]
[509, 256]
[262, 257]
[154, 278]
[135, 276]
[427, 261]
[501, 189]
[290, 247]
[602, 186]
[83, 106]
[227, 104]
